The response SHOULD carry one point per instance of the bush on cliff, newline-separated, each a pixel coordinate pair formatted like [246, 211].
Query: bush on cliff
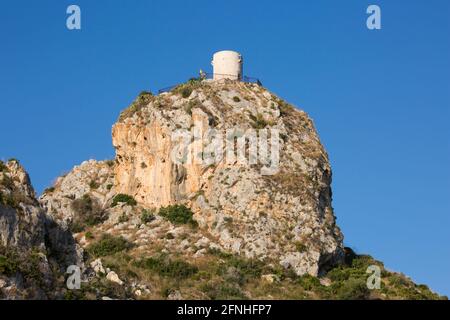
[178, 214]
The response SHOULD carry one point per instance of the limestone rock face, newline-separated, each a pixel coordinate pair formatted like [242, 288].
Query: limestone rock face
[25, 269]
[21, 218]
[286, 215]
[93, 178]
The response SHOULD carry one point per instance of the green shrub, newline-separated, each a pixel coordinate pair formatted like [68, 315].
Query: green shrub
[169, 236]
[123, 198]
[8, 266]
[3, 167]
[300, 246]
[178, 214]
[7, 182]
[108, 245]
[147, 216]
[219, 253]
[110, 163]
[236, 99]
[123, 218]
[25, 262]
[308, 282]
[140, 102]
[94, 185]
[186, 89]
[87, 211]
[8, 200]
[223, 291]
[245, 268]
[285, 108]
[101, 287]
[258, 122]
[398, 281]
[186, 92]
[167, 267]
[145, 95]
[49, 190]
[191, 105]
[353, 289]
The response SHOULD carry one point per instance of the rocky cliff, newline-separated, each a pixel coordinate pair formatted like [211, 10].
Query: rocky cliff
[286, 215]
[176, 216]
[29, 266]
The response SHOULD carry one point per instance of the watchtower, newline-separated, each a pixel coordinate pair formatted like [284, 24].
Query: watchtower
[227, 64]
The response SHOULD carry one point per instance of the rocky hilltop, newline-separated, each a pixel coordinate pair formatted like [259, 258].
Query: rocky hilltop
[285, 216]
[162, 220]
[33, 249]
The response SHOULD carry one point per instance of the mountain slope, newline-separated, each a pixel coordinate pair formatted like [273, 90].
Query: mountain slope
[163, 220]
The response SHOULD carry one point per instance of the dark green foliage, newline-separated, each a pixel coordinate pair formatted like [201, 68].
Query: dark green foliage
[178, 214]
[258, 122]
[3, 167]
[145, 94]
[300, 246]
[27, 263]
[7, 182]
[236, 99]
[186, 92]
[223, 291]
[110, 163]
[166, 267]
[108, 245]
[349, 256]
[8, 265]
[309, 282]
[123, 218]
[246, 269]
[94, 185]
[398, 281]
[140, 102]
[98, 288]
[285, 108]
[123, 198]
[353, 289]
[169, 236]
[147, 216]
[186, 89]
[49, 190]
[87, 213]
[191, 105]
[10, 200]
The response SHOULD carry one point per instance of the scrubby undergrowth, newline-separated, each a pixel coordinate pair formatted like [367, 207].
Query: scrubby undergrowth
[220, 275]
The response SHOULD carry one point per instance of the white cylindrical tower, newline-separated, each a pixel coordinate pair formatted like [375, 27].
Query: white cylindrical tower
[227, 65]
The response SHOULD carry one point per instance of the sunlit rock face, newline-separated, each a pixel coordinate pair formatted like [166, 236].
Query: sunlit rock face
[286, 215]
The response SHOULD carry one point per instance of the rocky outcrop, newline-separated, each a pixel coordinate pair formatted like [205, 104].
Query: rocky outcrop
[170, 218]
[93, 178]
[24, 264]
[286, 215]
[21, 218]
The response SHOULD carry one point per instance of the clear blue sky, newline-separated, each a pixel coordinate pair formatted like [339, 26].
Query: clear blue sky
[380, 99]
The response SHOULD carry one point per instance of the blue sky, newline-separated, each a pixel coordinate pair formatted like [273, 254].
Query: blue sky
[379, 99]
